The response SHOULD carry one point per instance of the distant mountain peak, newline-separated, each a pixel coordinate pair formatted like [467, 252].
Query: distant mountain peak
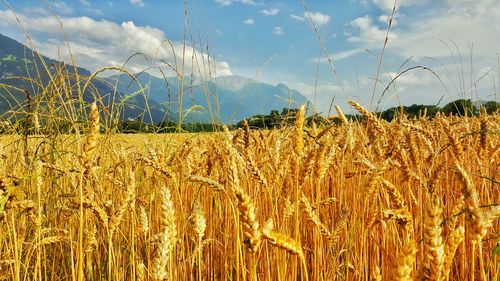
[232, 83]
[282, 87]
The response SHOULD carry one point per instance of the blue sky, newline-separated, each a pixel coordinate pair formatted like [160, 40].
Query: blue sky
[274, 42]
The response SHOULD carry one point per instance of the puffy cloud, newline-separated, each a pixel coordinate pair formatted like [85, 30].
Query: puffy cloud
[112, 45]
[460, 22]
[270, 12]
[367, 32]
[317, 18]
[454, 34]
[249, 21]
[278, 30]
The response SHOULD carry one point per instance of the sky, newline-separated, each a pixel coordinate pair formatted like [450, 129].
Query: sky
[330, 51]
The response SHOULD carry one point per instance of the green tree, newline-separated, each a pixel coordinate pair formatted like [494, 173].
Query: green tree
[492, 106]
[460, 107]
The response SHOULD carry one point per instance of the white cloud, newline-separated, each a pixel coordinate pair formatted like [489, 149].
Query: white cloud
[411, 78]
[270, 12]
[367, 32]
[224, 2]
[457, 36]
[346, 54]
[278, 30]
[230, 2]
[387, 5]
[475, 24]
[248, 2]
[317, 18]
[337, 56]
[112, 45]
[322, 93]
[297, 17]
[249, 21]
[460, 22]
[139, 3]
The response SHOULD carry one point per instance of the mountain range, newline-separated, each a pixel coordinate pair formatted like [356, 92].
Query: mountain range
[226, 99]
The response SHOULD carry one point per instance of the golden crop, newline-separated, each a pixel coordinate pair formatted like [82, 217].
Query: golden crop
[404, 200]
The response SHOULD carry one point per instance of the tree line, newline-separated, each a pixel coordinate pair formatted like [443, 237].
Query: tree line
[460, 107]
[275, 119]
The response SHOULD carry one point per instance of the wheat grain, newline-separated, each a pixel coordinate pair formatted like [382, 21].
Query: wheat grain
[433, 245]
[452, 243]
[90, 142]
[404, 261]
[168, 236]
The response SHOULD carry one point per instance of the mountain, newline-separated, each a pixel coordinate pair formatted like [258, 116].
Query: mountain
[226, 99]
[22, 72]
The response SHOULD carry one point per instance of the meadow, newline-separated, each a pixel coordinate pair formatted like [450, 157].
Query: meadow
[406, 200]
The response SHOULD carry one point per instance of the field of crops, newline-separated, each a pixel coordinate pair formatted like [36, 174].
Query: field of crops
[407, 200]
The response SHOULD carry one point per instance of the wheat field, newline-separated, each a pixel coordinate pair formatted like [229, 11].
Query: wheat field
[406, 200]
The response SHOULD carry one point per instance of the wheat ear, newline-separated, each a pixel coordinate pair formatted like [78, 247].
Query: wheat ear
[129, 202]
[250, 225]
[288, 244]
[90, 142]
[168, 236]
[452, 243]
[433, 247]
[341, 115]
[404, 261]
[372, 119]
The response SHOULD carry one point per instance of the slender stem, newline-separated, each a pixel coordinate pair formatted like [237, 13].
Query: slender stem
[473, 261]
[110, 254]
[481, 262]
[199, 259]
[80, 232]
